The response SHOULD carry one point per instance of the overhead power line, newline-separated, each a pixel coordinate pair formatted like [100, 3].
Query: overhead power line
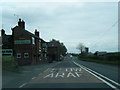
[104, 33]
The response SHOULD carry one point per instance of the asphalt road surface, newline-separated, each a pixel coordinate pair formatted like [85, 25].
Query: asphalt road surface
[72, 73]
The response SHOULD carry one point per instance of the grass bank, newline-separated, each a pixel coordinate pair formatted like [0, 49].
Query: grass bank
[101, 61]
[9, 63]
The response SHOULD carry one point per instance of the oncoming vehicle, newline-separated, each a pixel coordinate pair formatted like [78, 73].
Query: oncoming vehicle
[71, 56]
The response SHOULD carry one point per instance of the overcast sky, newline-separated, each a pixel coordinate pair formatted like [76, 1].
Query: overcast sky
[92, 23]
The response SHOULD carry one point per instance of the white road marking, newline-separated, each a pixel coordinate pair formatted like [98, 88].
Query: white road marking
[49, 75]
[33, 77]
[76, 69]
[100, 75]
[104, 77]
[53, 70]
[46, 70]
[22, 85]
[60, 75]
[88, 70]
[70, 74]
[64, 73]
[71, 69]
[66, 69]
[78, 74]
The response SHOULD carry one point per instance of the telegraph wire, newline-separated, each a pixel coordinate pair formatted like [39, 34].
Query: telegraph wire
[102, 35]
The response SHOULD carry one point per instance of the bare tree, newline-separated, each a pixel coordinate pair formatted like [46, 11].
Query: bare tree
[81, 47]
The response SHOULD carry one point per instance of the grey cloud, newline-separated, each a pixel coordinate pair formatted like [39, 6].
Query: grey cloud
[70, 23]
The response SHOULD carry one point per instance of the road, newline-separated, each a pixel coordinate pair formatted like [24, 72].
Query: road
[69, 73]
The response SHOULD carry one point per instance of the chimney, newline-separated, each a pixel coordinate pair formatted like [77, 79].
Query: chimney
[21, 24]
[2, 32]
[36, 32]
[86, 49]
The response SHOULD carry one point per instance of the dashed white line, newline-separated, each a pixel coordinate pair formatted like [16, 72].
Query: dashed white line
[33, 77]
[46, 70]
[89, 70]
[22, 85]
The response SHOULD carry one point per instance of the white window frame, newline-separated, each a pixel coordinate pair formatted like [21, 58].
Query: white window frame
[45, 55]
[18, 55]
[26, 54]
[33, 40]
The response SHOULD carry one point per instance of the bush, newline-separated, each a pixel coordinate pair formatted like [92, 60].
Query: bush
[111, 58]
[9, 63]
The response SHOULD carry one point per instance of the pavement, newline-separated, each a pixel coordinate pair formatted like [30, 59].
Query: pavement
[69, 73]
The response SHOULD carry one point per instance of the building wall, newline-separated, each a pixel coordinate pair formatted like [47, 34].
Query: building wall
[28, 48]
[25, 43]
[43, 50]
[53, 53]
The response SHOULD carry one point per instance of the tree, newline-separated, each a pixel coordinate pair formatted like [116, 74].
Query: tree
[81, 47]
[63, 49]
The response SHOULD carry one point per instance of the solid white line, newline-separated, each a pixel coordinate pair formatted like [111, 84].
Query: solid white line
[101, 79]
[95, 75]
[22, 85]
[100, 75]
[103, 76]
[33, 77]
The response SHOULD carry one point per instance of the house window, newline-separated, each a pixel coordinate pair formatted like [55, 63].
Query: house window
[33, 40]
[26, 55]
[45, 55]
[18, 55]
[39, 40]
[21, 41]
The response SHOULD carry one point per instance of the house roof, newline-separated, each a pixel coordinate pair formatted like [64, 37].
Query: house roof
[6, 38]
[31, 34]
[52, 44]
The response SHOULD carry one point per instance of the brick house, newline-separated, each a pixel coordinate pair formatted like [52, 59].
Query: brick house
[53, 51]
[22, 44]
[44, 50]
[28, 48]
[26, 45]
[7, 44]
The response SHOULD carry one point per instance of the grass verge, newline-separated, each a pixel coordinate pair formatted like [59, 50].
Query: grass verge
[9, 63]
[111, 62]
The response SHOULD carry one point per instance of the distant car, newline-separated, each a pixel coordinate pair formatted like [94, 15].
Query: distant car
[71, 56]
[61, 57]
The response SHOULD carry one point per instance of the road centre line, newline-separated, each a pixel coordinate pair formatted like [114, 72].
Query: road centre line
[33, 77]
[22, 85]
[46, 69]
[85, 68]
